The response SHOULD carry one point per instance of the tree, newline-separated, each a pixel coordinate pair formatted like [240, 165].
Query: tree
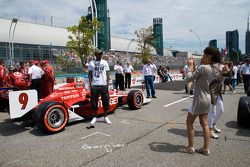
[80, 42]
[144, 40]
[236, 56]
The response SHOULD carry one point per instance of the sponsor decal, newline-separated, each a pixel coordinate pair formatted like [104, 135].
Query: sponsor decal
[70, 97]
[112, 101]
[66, 88]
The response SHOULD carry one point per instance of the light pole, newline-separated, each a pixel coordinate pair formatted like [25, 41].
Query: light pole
[94, 15]
[238, 56]
[198, 39]
[11, 45]
[129, 45]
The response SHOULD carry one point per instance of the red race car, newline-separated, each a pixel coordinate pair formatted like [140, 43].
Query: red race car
[68, 103]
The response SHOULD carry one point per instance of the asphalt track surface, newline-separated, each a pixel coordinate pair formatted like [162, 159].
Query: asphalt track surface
[147, 137]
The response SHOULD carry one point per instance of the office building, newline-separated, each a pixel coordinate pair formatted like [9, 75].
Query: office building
[232, 42]
[247, 38]
[213, 43]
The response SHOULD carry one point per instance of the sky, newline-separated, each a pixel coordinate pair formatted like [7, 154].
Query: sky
[208, 19]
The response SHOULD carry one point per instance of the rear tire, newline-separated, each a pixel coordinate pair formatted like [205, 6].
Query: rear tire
[243, 115]
[51, 117]
[135, 99]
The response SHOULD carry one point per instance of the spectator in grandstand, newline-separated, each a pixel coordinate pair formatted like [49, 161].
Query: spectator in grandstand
[2, 74]
[245, 72]
[202, 76]
[48, 79]
[99, 82]
[35, 75]
[148, 70]
[128, 70]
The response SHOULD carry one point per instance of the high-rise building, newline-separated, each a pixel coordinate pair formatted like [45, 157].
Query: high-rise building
[103, 41]
[158, 36]
[103, 33]
[247, 38]
[213, 43]
[232, 42]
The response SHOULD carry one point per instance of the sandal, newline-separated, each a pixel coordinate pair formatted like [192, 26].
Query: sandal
[203, 151]
[187, 150]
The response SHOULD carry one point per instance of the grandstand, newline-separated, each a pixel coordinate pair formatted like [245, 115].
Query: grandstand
[39, 42]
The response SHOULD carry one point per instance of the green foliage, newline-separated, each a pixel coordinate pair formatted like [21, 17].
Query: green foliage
[80, 42]
[144, 39]
[236, 56]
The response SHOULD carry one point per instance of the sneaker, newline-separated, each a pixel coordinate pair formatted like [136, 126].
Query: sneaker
[216, 130]
[93, 121]
[233, 92]
[213, 135]
[148, 97]
[106, 120]
[154, 97]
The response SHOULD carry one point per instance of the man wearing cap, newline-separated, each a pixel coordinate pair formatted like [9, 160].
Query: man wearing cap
[98, 81]
[35, 75]
[128, 69]
[48, 80]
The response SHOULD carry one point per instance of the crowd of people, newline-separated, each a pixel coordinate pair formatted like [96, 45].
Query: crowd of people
[32, 75]
[208, 81]
[122, 71]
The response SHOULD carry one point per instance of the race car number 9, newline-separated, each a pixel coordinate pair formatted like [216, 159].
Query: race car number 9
[23, 99]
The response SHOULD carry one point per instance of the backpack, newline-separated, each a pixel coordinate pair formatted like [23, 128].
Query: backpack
[215, 87]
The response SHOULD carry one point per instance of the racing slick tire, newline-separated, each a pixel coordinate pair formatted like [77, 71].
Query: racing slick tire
[51, 117]
[135, 99]
[243, 115]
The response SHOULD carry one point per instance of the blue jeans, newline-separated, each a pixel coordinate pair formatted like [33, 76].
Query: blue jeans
[149, 83]
[233, 83]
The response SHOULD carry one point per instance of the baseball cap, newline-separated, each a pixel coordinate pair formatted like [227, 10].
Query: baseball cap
[98, 52]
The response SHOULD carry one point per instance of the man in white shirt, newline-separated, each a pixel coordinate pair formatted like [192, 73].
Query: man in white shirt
[98, 82]
[245, 72]
[35, 75]
[234, 77]
[148, 70]
[128, 69]
[119, 76]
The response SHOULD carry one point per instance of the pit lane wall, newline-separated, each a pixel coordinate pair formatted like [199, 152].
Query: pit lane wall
[136, 78]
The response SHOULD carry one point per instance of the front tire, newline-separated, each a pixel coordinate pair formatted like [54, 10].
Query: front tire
[51, 117]
[135, 99]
